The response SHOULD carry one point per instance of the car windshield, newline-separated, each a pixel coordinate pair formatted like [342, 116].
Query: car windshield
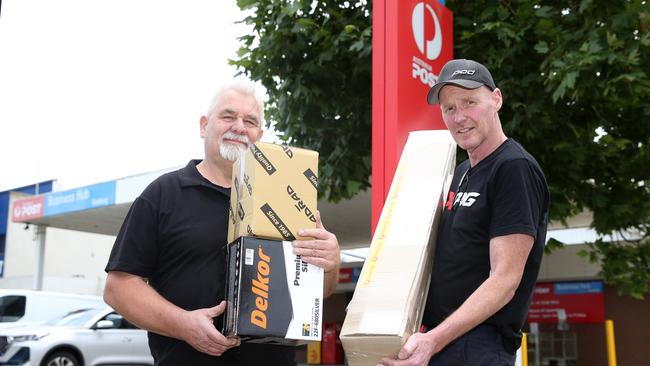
[74, 318]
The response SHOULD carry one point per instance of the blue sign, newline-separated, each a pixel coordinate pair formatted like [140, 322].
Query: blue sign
[97, 195]
[574, 288]
[356, 272]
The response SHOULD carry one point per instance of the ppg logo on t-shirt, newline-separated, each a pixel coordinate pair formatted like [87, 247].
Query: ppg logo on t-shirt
[466, 199]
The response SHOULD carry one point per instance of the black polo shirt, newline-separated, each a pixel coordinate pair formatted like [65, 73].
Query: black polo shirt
[175, 235]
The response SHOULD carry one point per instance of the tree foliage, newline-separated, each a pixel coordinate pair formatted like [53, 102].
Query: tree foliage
[574, 75]
[314, 58]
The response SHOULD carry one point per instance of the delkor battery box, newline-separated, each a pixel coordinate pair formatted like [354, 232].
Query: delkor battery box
[273, 296]
[274, 192]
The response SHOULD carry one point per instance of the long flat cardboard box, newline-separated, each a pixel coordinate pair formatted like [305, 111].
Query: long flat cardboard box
[389, 299]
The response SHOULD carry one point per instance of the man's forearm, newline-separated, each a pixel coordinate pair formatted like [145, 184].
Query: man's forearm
[134, 299]
[508, 255]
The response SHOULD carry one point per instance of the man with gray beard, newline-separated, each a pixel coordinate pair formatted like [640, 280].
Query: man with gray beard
[167, 269]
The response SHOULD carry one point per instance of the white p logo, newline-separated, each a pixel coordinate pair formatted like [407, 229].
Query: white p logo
[433, 46]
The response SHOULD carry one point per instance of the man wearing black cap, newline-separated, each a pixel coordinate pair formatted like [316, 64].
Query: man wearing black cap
[491, 235]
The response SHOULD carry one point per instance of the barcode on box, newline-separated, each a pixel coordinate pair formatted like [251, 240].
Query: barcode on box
[248, 259]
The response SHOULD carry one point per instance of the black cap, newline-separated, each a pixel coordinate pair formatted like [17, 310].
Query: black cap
[467, 74]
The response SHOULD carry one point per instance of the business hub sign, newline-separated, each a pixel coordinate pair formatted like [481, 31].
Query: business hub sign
[573, 302]
[56, 203]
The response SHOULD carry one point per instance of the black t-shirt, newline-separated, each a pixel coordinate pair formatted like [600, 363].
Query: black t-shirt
[505, 193]
[175, 235]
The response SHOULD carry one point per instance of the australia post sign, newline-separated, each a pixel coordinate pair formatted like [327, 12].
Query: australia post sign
[28, 208]
[576, 302]
[412, 40]
[56, 203]
[421, 58]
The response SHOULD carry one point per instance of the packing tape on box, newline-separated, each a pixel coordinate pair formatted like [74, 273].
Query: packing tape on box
[368, 272]
[259, 156]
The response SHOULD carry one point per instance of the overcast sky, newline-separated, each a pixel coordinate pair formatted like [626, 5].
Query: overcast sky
[94, 90]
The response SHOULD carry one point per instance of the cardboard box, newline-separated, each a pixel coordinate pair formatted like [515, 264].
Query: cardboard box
[275, 189]
[389, 298]
[273, 296]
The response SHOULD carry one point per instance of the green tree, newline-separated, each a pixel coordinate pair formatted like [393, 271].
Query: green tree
[575, 83]
[314, 58]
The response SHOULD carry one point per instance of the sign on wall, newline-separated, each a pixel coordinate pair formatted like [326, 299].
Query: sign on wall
[578, 302]
[349, 275]
[28, 208]
[96, 195]
[55, 203]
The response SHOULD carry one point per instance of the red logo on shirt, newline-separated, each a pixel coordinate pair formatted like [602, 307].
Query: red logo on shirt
[450, 201]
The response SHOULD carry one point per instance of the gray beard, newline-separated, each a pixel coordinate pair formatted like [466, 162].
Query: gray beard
[230, 152]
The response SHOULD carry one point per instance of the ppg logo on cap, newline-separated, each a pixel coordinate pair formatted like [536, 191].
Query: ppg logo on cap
[463, 72]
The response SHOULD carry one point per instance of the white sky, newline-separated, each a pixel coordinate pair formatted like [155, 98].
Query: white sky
[95, 90]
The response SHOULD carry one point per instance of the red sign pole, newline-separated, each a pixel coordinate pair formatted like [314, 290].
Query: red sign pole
[379, 192]
[412, 40]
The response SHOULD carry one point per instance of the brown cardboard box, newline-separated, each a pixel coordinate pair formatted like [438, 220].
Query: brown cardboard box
[273, 296]
[274, 192]
[389, 299]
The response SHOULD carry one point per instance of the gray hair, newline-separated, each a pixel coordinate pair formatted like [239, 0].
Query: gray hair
[241, 85]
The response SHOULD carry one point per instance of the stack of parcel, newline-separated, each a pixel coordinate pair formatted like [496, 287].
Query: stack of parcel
[272, 295]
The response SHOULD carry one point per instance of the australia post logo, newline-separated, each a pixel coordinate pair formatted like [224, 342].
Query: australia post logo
[428, 37]
[28, 208]
[429, 47]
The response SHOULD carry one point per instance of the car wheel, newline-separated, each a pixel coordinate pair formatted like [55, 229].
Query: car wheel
[61, 358]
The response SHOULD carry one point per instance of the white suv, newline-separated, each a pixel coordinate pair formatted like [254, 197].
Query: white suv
[21, 307]
[82, 337]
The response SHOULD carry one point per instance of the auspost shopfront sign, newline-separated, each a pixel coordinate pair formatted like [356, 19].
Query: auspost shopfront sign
[28, 208]
[97, 195]
[56, 203]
